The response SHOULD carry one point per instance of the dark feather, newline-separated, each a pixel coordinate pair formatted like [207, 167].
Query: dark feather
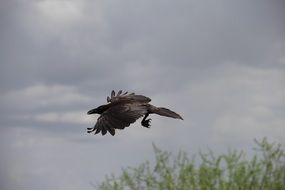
[112, 131]
[112, 94]
[104, 131]
[97, 131]
[119, 93]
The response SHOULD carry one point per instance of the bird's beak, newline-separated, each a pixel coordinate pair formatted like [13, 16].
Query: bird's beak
[92, 111]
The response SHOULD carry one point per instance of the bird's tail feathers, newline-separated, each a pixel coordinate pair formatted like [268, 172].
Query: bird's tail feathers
[165, 112]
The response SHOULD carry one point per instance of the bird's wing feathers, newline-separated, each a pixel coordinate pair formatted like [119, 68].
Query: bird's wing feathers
[127, 97]
[119, 117]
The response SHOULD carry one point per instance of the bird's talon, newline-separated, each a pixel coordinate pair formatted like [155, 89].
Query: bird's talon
[146, 123]
[90, 130]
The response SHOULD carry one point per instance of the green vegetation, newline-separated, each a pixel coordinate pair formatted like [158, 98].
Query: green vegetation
[231, 171]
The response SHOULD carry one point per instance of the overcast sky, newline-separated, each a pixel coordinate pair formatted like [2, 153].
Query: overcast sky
[220, 64]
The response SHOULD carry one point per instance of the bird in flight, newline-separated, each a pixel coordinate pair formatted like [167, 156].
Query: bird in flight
[123, 109]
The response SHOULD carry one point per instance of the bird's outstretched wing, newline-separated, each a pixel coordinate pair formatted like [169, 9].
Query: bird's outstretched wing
[119, 117]
[127, 97]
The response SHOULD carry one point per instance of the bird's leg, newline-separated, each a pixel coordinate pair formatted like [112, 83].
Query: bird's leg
[145, 122]
[90, 129]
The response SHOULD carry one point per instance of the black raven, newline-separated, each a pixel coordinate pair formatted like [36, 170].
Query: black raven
[123, 109]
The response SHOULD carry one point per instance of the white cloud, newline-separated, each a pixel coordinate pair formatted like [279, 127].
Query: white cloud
[40, 96]
[76, 117]
[46, 158]
[62, 12]
[251, 105]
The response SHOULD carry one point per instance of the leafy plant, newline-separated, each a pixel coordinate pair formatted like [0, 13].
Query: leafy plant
[231, 171]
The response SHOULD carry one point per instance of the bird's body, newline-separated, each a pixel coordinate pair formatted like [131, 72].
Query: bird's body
[123, 110]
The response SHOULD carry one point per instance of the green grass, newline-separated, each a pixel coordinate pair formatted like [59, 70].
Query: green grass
[231, 171]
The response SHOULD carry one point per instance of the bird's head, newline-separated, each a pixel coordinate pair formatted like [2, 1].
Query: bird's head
[98, 110]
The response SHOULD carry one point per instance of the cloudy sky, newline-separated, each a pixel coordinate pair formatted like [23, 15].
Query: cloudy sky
[220, 64]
